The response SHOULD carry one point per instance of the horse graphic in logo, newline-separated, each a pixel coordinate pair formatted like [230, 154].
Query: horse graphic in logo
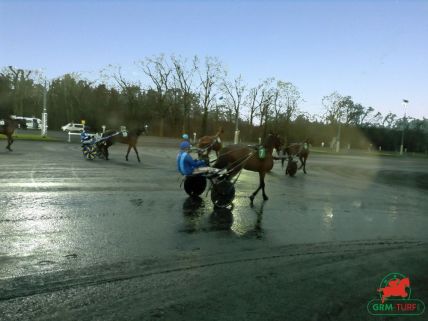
[394, 298]
[396, 287]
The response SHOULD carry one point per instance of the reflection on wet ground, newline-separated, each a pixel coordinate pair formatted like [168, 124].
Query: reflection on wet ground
[59, 211]
[198, 219]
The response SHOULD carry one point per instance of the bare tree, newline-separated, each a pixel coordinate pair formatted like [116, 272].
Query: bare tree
[389, 120]
[334, 110]
[291, 98]
[267, 95]
[160, 73]
[251, 102]
[183, 73]
[131, 90]
[234, 94]
[19, 79]
[209, 75]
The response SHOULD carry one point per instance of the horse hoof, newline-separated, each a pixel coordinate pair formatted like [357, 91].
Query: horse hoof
[265, 198]
[251, 199]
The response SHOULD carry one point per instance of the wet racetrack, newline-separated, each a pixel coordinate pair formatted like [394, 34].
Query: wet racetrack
[117, 240]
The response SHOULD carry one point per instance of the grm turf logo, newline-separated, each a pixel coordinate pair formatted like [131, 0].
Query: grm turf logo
[395, 298]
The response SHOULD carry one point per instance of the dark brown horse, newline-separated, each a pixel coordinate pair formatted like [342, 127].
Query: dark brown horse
[129, 138]
[7, 128]
[236, 157]
[300, 150]
[209, 143]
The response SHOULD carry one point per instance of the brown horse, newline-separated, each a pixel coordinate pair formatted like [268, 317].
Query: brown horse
[7, 128]
[208, 143]
[236, 157]
[129, 138]
[300, 150]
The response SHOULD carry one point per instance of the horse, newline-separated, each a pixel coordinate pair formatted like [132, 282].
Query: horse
[300, 150]
[237, 157]
[129, 138]
[395, 287]
[7, 128]
[208, 143]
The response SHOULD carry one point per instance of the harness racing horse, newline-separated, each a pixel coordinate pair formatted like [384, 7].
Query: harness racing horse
[7, 128]
[395, 287]
[129, 138]
[300, 150]
[237, 157]
[208, 143]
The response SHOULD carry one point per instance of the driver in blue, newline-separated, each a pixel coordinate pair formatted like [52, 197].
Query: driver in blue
[185, 163]
[84, 136]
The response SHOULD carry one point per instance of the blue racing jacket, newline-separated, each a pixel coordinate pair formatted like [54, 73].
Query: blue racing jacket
[84, 136]
[186, 164]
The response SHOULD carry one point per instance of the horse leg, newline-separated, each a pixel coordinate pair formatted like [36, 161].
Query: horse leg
[9, 142]
[304, 164]
[301, 162]
[262, 182]
[254, 194]
[136, 152]
[127, 153]
[105, 149]
[261, 187]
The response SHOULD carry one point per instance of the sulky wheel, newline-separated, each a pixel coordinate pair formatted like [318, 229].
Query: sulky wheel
[195, 185]
[100, 152]
[223, 193]
[291, 168]
[89, 152]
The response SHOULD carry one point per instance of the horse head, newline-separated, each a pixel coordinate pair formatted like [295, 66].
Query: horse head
[142, 130]
[273, 141]
[405, 283]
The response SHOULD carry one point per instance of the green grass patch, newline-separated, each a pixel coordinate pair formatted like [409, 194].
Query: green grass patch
[31, 137]
[359, 152]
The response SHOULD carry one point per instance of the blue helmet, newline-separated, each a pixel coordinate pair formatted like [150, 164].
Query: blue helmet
[185, 136]
[184, 145]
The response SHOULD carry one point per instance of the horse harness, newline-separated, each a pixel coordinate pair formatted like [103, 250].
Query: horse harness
[214, 140]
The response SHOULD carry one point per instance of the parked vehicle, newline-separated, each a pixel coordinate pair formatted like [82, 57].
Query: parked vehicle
[73, 127]
[31, 122]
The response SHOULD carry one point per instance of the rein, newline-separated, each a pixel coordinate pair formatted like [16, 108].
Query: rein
[243, 164]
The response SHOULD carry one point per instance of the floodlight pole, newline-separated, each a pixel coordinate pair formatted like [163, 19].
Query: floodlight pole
[45, 112]
[339, 118]
[236, 138]
[405, 102]
[338, 138]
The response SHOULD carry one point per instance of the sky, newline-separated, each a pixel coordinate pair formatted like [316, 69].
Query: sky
[374, 51]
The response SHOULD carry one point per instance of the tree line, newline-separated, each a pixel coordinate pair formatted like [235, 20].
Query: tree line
[182, 94]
